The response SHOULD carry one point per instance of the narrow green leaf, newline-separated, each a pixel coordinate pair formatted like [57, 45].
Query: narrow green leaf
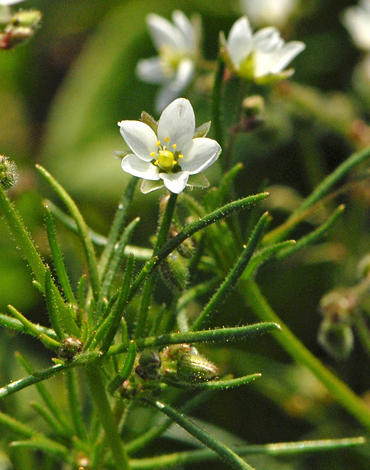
[58, 258]
[74, 405]
[118, 310]
[50, 420]
[126, 370]
[82, 228]
[52, 307]
[188, 231]
[21, 236]
[117, 225]
[319, 192]
[312, 237]
[225, 453]
[263, 254]
[44, 445]
[219, 384]
[32, 329]
[213, 200]
[47, 398]
[216, 335]
[14, 324]
[234, 275]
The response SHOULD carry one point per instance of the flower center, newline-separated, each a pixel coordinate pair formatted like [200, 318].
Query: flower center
[167, 160]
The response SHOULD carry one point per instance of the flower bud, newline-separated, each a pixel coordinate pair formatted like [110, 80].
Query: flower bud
[363, 269]
[30, 18]
[175, 272]
[253, 105]
[8, 173]
[149, 365]
[195, 368]
[336, 338]
[69, 348]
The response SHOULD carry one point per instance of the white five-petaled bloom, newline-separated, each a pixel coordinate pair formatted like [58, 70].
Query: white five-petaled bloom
[177, 44]
[268, 12]
[169, 152]
[261, 56]
[357, 20]
[10, 2]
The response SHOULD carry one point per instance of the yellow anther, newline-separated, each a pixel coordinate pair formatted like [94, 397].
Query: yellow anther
[174, 146]
[167, 139]
[158, 143]
[181, 156]
[174, 162]
[152, 154]
[156, 162]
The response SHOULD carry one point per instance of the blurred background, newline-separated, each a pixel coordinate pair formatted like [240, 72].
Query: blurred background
[61, 96]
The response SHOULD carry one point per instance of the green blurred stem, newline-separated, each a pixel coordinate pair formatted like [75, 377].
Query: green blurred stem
[21, 236]
[82, 228]
[106, 416]
[343, 394]
[321, 190]
[74, 405]
[9, 322]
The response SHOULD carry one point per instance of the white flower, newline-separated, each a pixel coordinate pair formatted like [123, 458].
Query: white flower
[167, 154]
[268, 12]
[261, 55]
[177, 45]
[357, 20]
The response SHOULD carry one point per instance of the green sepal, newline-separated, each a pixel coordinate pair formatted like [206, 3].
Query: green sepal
[149, 121]
[148, 186]
[199, 181]
[202, 130]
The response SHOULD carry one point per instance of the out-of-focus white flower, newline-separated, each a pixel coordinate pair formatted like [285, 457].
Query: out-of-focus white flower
[177, 44]
[261, 56]
[357, 20]
[167, 153]
[10, 2]
[268, 12]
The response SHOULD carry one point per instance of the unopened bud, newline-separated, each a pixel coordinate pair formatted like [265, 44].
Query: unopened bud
[8, 172]
[195, 368]
[149, 365]
[253, 105]
[29, 18]
[69, 348]
[336, 338]
[175, 272]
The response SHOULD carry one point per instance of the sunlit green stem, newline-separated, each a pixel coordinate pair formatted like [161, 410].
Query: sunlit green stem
[74, 405]
[349, 400]
[216, 101]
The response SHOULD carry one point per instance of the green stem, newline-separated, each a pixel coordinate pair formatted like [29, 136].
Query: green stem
[106, 416]
[74, 405]
[343, 394]
[21, 237]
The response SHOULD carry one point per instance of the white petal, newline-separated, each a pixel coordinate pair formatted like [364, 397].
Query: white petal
[140, 138]
[199, 155]
[164, 33]
[267, 39]
[357, 21]
[178, 123]
[151, 71]
[185, 26]
[10, 2]
[264, 12]
[136, 167]
[239, 43]
[173, 89]
[286, 55]
[175, 182]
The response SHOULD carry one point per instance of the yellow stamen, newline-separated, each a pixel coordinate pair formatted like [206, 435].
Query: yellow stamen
[158, 143]
[156, 162]
[181, 156]
[152, 154]
[167, 139]
[174, 146]
[174, 162]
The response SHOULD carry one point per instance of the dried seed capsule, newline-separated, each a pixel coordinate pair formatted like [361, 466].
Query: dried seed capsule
[69, 348]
